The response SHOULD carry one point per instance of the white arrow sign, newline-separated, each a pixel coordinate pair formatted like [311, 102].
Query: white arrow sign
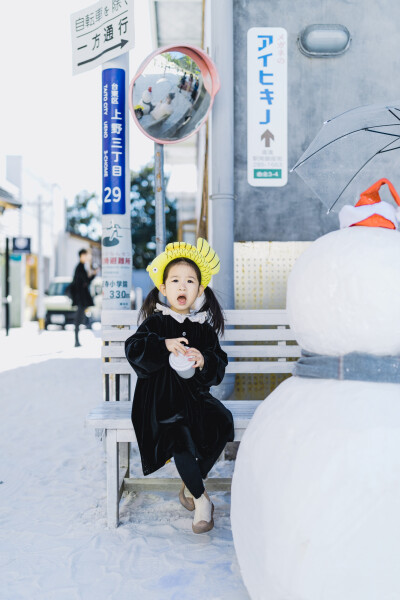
[101, 32]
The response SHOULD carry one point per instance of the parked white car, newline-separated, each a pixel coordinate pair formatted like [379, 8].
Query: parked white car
[59, 308]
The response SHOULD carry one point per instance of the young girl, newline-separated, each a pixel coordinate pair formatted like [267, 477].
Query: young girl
[172, 416]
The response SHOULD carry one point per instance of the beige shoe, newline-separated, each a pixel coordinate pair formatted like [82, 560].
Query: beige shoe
[186, 500]
[203, 517]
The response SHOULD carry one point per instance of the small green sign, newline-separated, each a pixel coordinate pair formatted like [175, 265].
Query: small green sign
[268, 173]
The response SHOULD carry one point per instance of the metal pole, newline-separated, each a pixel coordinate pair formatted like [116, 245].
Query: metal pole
[40, 300]
[222, 161]
[222, 172]
[7, 287]
[159, 197]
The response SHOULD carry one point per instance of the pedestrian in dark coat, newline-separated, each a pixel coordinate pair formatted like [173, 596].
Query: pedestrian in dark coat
[81, 297]
[175, 416]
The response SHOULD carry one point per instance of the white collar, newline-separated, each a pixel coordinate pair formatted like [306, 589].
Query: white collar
[195, 317]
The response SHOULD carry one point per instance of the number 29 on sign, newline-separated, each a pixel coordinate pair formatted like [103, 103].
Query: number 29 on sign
[112, 195]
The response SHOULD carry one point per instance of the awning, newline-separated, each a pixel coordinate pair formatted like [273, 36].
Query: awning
[175, 22]
[7, 200]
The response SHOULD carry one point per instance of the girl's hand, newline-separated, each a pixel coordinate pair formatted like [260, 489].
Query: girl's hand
[197, 356]
[174, 345]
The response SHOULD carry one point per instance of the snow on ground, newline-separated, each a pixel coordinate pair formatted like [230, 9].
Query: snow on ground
[54, 542]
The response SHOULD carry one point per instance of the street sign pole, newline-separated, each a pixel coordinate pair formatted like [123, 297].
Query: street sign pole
[103, 32]
[116, 217]
[159, 197]
[40, 299]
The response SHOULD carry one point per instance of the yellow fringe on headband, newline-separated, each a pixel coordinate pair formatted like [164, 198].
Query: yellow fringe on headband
[204, 256]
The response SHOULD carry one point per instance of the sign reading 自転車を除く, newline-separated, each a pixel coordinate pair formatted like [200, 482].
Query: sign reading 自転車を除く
[101, 32]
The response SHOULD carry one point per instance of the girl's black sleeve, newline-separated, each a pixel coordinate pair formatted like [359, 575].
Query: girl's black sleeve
[215, 360]
[146, 350]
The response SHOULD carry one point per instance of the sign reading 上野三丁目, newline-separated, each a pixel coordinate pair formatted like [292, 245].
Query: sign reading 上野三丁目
[114, 125]
[267, 106]
[101, 32]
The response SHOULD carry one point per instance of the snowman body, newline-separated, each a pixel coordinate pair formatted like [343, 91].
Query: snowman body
[316, 488]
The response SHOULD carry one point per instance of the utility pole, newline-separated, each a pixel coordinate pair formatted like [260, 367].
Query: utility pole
[7, 298]
[40, 308]
[40, 300]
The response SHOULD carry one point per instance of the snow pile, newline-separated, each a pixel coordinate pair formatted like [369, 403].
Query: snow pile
[54, 542]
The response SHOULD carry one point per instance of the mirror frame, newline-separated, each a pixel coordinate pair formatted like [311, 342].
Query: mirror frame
[209, 74]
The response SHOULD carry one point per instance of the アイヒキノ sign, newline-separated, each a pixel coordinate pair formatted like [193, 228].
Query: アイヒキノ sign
[101, 32]
[267, 106]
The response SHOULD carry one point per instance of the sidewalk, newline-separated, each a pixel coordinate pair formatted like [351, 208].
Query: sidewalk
[54, 543]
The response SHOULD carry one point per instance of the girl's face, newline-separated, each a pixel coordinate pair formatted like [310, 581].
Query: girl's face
[181, 287]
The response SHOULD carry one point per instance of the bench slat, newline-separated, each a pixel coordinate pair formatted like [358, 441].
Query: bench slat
[230, 335]
[144, 484]
[261, 351]
[233, 317]
[120, 317]
[117, 415]
[116, 335]
[259, 367]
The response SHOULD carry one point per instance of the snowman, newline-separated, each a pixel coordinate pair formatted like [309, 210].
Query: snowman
[316, 487]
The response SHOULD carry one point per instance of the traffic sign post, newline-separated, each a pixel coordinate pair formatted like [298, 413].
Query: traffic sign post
[116, 218]
[103, 34]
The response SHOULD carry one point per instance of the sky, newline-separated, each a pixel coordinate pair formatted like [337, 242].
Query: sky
[49, 116]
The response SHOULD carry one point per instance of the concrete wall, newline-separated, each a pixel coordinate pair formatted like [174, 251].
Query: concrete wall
[317, 90]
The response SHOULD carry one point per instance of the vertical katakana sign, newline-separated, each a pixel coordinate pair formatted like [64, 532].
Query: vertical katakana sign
[101, 32]
[267, 106]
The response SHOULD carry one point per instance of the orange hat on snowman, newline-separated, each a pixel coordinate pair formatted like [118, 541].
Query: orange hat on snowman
[370, 210]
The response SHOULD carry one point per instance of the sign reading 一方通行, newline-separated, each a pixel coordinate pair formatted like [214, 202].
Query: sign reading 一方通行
[114, 124]
[267, 106]
[101, 32]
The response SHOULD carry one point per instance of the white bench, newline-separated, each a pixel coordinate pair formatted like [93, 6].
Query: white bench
[256, 341]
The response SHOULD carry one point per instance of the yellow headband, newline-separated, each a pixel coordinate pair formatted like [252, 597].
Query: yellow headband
[204, 256]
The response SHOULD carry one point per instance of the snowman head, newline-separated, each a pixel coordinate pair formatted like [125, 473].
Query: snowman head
[344, 291]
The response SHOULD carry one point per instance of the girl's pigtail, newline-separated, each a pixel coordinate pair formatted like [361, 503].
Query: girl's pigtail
[149, 305]
[212, 306]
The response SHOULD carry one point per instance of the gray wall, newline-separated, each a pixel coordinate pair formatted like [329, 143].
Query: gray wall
[318, 89]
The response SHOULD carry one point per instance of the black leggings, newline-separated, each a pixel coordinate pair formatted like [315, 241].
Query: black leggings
[193, 471]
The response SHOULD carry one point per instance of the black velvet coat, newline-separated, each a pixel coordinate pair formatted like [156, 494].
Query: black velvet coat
[169, 412]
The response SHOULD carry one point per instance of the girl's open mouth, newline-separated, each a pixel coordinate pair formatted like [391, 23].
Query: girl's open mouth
[182, 299]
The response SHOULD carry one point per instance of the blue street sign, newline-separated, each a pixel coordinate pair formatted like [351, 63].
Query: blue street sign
[21, 245]
[114, 125]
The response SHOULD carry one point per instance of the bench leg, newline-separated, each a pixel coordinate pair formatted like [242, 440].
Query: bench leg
[112, 478]
[124, 452]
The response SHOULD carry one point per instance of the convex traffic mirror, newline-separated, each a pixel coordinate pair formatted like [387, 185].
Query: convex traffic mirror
[172, 93]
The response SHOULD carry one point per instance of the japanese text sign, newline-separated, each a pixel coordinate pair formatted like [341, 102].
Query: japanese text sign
[114, 125]
[101, 32]
[116, 263]
[267, 106]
